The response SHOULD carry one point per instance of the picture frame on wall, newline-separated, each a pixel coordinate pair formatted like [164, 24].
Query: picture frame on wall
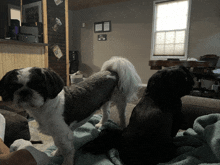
[104, 26]
[98, 27]
[107, 26]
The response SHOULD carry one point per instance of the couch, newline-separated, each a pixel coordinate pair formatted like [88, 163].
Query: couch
[192, 107]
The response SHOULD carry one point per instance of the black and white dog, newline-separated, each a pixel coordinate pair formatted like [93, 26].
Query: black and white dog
[155, 120]
[56, 108]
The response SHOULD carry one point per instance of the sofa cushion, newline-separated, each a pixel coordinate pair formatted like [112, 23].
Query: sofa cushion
[194, 107]
[16, 127]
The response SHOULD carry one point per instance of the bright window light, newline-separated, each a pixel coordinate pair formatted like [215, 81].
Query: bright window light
[170, 28]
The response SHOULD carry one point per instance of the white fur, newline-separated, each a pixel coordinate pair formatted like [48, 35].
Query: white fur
[129, 80]
[24, 75]
[51, 111]
[129, 83]
[51, 122]
[35, 101]
[2, 127]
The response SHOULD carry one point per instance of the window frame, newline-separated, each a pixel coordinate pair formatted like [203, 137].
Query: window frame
[165, 57]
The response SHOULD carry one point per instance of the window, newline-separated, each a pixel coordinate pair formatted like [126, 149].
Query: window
[170, 29]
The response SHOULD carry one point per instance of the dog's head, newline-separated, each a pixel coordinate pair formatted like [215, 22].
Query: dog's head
[170, 83]
[30, 87]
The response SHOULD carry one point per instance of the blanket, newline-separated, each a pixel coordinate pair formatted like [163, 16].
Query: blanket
[82, 135]
[199, 145]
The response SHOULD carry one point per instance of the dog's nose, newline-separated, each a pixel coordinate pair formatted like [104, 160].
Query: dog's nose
[25, 93]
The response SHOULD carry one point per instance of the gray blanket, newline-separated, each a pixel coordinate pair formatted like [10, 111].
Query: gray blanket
[199, 145]
[82, 135]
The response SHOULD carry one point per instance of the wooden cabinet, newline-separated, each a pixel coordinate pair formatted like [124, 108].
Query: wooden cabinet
[14, 56]
[17, 54]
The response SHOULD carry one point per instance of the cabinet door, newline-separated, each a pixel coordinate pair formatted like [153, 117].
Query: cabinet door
[20, 56]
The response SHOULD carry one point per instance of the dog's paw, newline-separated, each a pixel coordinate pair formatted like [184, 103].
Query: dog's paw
[19, 144]
[99, 125]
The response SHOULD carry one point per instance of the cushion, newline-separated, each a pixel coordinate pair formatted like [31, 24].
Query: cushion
[16, 127]
[194, 107]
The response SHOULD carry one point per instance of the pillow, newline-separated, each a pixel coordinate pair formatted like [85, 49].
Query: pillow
[16, 127]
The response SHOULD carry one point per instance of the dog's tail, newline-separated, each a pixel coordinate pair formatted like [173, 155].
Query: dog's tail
[107, 139]
[129, 80]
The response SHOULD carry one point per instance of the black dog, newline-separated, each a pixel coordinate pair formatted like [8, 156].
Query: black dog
[148, 139]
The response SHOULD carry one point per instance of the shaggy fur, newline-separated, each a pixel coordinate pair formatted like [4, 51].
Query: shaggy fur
[56, 108]
[155, 120]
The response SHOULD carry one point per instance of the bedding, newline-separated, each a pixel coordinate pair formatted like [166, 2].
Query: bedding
[200, 144]
[197, 145]
[82, 135]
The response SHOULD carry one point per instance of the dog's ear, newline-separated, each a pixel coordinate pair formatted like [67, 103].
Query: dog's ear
[7, 78]
[54, 83]
[155, 84]
[189, 75]
[1, 88]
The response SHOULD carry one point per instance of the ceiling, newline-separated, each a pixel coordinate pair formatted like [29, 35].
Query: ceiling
[82, 4]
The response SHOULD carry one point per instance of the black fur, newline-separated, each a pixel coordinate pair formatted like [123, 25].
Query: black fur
[148, 139]
[8, 85]
[54, 83]
[48, 84]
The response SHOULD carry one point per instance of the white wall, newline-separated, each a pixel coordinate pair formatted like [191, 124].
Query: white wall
[131, 33]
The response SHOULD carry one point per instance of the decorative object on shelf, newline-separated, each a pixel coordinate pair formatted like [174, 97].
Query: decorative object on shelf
[58, 23]
[102, 37]
[104, 26]
[57, 51]
[58, 2]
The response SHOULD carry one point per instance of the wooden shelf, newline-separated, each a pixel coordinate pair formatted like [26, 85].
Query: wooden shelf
[15, 42]
[157, 64]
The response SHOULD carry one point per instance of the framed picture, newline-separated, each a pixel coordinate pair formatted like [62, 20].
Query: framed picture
[104, 26]
[107, 26]
[98, 27]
